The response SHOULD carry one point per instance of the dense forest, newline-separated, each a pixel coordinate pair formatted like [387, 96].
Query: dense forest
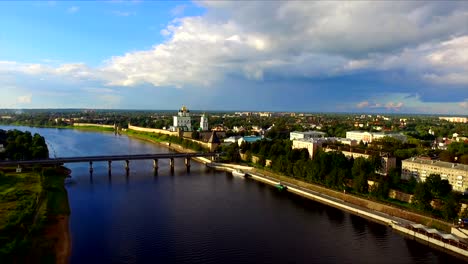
[20, 145]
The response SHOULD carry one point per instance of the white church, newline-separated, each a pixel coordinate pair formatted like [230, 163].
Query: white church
[183, 121]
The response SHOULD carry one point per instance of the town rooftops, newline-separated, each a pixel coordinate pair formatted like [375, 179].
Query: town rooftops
[309, 132]
[214, 138]
[438, 163]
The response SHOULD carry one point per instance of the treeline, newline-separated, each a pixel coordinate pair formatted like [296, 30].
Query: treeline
[335, 171]
[20, 145]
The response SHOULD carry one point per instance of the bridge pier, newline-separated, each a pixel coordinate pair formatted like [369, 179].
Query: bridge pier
[91, 166]
[109, 166]
[187, 163]
[127, 165]
[171, 163]
[155, 164]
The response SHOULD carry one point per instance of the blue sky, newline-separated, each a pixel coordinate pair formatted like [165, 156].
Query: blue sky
[396, 57]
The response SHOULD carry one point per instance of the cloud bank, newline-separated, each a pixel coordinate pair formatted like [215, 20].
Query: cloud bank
[422, 43]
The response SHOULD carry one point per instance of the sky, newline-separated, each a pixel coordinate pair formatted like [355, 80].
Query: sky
[304, 56]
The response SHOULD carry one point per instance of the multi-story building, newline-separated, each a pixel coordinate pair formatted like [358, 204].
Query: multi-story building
[314, 144]
[456, 174]
[387, 163]
[454, 119]
[368, 137]
[306, 135]
[183, 120]
[311, 144]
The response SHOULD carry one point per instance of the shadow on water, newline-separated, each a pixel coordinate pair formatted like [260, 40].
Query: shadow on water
[358, 224]
[335, 216]
[376, 229]
[420, 253]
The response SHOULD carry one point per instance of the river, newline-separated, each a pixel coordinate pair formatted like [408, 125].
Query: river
[206, 216]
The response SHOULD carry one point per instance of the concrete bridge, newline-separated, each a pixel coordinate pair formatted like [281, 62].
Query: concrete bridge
[110, 158]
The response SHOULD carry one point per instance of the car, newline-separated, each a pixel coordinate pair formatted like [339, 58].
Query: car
[462, 222]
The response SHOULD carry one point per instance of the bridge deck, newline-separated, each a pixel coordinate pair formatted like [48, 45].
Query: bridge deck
[108, 158]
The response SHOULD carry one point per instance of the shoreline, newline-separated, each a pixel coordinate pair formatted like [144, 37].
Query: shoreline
[59, 232]
[400, 225]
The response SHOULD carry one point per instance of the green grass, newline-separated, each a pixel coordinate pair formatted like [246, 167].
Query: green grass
[28, 202]
[93, 128]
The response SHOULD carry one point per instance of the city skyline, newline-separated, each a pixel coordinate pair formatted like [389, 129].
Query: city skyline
[384, 57]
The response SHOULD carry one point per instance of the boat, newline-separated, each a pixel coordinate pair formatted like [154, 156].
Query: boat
[238, 173]
[281, 187]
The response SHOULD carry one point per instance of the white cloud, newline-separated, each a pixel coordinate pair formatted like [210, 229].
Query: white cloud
[24, 99]
[73, 9]
[409, 103]
[464, 104]
[178, 10]
[123, 13]
[292, 39]
[362, 104]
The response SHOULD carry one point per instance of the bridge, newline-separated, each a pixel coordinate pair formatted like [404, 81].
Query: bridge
[110, 158]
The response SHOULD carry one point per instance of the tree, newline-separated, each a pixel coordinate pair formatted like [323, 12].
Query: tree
[438, 187]
[380, 188]
[450, 208]
[422, 197]
[394, 176]
[360, 183]
[463, 159]
[447, 156]
[195, 135]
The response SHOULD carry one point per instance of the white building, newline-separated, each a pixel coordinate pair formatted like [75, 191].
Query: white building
[306, 135]
[347, 141]
[454, 119]
[204, 123]
[311, 144]
[2, 149]
[456, 174]
[368, 137]
[182, 120]
[387, 163]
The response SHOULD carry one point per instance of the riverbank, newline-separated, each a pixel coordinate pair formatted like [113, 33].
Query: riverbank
[182, 149]
[431, 237]
[34, 216]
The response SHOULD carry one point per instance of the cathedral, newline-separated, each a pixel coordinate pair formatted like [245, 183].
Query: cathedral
[182, 121]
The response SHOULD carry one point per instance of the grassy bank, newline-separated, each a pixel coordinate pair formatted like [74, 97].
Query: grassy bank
[160, 138]
[30, 205]
[85, 128]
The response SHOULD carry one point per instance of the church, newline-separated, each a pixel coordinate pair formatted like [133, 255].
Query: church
[183, 121]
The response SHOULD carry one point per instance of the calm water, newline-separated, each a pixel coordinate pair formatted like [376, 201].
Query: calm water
[206, 216]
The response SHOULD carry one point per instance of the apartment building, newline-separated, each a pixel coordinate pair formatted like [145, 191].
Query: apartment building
[456, 174]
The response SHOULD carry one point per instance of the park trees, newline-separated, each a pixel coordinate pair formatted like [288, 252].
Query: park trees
[422, 196]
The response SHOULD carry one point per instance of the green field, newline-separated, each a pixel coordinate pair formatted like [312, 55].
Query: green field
[29, 201]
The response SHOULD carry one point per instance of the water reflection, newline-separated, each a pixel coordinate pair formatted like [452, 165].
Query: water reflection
[359, 225]
[334, 215]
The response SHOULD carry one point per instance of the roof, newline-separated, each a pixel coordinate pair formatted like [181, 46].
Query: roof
[438, 163]
[252, 138]
[214, 138]
[435, 231]
[309, 132]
